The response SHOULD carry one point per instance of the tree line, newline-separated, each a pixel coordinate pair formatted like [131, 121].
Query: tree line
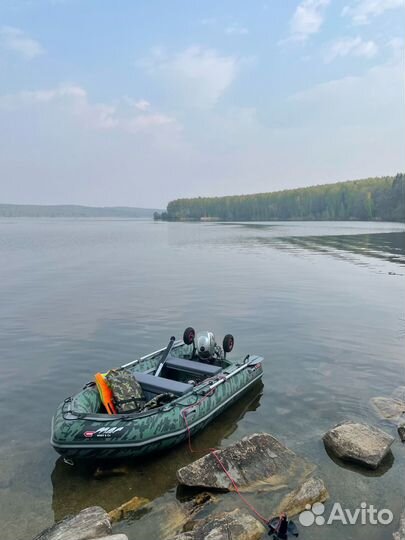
[381, 198]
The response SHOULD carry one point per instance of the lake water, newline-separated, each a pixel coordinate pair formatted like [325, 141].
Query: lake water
[322, 302]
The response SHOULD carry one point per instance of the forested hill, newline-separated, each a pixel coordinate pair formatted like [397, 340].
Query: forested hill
[34, 210]
[370, 199]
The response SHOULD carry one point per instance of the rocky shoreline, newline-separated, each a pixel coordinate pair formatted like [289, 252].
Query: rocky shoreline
[258, 463]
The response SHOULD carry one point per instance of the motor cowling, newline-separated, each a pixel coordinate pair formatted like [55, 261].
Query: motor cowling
[205, 345]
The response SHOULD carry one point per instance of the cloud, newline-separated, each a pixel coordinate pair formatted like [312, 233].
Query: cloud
[307, 19]
[358, 99]
[125, 115]
[235, 29]
[396, 44]
[30, 97]
[60, 145]
[351, 47]
[14, 39]
[364, 10]
[142, 105]
[145, 121]
[198, 76]
[349, 127]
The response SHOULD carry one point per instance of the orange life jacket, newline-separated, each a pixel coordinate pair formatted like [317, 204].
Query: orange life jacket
[106, 394]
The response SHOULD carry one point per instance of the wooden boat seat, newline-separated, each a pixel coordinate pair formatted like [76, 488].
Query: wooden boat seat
[160, 385]
[192, 366]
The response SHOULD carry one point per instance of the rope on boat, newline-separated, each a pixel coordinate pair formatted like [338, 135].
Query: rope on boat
[213, 452]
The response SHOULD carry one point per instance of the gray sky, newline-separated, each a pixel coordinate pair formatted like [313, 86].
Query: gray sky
[137, 103]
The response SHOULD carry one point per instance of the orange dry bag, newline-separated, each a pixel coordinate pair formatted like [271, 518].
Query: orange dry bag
[105, 393]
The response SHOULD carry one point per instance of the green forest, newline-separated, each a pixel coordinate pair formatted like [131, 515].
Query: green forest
[381, 198]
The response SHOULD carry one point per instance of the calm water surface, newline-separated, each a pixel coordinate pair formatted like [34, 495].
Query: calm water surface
[322, 302]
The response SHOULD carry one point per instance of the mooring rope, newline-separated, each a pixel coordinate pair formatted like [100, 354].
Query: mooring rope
[213, 452]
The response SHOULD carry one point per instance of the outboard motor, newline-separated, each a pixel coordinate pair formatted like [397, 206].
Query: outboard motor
[206, 346]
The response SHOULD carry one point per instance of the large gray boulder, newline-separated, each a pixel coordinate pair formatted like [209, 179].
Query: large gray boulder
[238, 525]
[359, 443]
[400, 533]
[252, 462]
[89, 524]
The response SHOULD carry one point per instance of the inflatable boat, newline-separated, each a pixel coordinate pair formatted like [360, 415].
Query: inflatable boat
[184, 387]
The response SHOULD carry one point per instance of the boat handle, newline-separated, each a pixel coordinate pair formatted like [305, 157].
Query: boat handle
[167, 408]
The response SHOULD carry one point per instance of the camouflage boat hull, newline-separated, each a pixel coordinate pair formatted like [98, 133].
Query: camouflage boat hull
[79, 430]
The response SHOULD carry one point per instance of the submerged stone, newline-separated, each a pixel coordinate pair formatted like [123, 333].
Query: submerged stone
[392, 409]
[311, 491]
[254, 461]
[119, 536]
[400, 533]
[171, 517]
[127, 508]
[389, 408]
[200, 501]
[102, 472]
[89, 524]
[238, 525]
[359, 443]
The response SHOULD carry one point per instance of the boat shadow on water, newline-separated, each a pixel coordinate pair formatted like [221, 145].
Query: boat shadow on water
[110, 484]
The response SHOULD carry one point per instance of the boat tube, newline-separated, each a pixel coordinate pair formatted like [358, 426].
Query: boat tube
[185, 396]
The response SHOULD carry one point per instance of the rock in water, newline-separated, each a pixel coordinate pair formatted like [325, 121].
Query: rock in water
[254, 460]
[102, 472]
[119, 536]
[392, 408]
[359, 443]
[238, 525]
[389, 408]
[311, 491]
[129, 507]
[89, 524]
[199, 502]
[400, 534]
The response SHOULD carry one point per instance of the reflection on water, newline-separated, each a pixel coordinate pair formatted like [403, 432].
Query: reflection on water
[74, 486]
[315, 299]
[385, 246]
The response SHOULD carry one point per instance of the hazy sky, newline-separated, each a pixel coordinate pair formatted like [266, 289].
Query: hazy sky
[136, 102]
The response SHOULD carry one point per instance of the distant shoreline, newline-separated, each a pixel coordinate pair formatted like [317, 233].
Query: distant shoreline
[73, 211]
[285, 220]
